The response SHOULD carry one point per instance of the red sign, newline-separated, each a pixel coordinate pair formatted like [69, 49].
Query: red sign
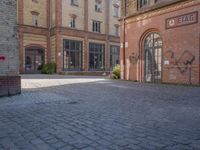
[2, 58]
[186, 19]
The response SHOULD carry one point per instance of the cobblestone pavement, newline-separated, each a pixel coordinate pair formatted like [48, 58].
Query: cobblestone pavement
[90, 113]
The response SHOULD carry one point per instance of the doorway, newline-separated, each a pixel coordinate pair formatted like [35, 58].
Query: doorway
[34, 60]
[153, 58]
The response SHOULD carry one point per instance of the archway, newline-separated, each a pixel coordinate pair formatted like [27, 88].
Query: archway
[34, 59]
[152, 47]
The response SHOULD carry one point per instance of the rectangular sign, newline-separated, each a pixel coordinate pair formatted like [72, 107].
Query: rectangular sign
[182, 20]
[126, 44]
[122, 45]
[166, 62]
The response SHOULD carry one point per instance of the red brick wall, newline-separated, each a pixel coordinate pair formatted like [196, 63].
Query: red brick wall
[183, 42]
[10, 85]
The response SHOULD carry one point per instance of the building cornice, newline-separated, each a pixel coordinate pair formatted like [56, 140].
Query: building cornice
[65, 31]
[32, 29]
[162, 7]
[81, 34]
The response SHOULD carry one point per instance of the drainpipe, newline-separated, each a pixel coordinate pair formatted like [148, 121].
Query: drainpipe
[199, 59]
[124, 42]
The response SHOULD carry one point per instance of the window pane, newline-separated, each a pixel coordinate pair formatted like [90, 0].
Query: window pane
[114, 56]
[72, 55]
[66, 44]
[96, 60]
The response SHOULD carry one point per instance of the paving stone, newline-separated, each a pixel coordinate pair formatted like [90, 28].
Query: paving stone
[58, 144]
[101, 114]
[88, 148]
[36, 141]
[67, 147]
[43, 147]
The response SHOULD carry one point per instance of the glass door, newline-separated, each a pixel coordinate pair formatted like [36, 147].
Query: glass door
[34, 60]
[153, 58]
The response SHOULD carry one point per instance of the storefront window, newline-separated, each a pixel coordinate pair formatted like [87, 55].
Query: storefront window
[114, 56]
[72, 55]
[96, 56]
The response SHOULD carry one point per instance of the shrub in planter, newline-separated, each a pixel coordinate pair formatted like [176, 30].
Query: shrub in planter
[49, 68]
[116, 72]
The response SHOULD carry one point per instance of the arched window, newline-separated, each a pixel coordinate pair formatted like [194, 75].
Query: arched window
[153, 58]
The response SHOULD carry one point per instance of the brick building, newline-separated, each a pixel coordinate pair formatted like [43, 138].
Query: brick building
[9, 59]
[162, 41]
[79, 35]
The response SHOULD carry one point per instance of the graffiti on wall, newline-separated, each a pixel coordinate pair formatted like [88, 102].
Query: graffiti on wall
[133, 58]
[182, 63]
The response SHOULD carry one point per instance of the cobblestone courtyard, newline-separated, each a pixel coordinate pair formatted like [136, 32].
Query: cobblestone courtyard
[82, 113]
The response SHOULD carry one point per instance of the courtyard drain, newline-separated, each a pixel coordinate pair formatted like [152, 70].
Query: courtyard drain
[73, 103]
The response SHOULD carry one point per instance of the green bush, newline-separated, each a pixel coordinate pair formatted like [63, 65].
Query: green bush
[49, 68]
[116, 72]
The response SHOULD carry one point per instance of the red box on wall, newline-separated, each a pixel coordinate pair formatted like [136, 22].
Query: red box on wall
[2, 58]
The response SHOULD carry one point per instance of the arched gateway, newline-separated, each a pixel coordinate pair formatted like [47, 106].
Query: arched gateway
[34, 59]
[153, 58]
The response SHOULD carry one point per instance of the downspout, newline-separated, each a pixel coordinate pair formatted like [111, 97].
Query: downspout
[199, 59]
[124, 42]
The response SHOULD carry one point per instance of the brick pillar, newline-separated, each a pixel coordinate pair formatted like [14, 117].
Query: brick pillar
[107, 16]
[21, 53]
[20, 35]
[86, 54]
[48, 36]
[85, 45]
[58, 36]
[10, 82]
[20, 11]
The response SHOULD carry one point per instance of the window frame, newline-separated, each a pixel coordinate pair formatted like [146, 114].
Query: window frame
[145, 3]
[96, 51]
[96, 26]
[98, 6]
[114, 52]
[35, 20]
[72, 23]
[78, 48]
[74, 3]
[116, 29]
[115, 10]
